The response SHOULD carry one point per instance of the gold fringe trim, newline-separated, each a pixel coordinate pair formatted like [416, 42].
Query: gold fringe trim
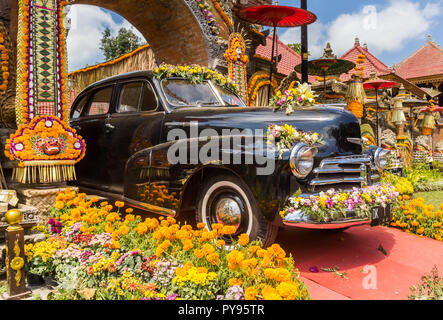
[356, 92]
[45, 172]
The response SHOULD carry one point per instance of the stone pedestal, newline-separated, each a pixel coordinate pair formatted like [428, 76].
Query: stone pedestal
[15, 258]
[41, 198]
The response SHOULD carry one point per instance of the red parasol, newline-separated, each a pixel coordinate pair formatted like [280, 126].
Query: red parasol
[435, 109]
[378, 84]
[278, 17]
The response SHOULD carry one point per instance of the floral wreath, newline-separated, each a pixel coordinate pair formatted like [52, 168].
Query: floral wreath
[285, 136]
[300, 96]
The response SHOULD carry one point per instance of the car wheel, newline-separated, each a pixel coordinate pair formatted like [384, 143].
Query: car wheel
[229, 201]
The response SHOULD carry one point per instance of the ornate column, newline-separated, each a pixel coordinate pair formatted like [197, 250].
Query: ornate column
[237, 61]
[15, 258]
[44, 146]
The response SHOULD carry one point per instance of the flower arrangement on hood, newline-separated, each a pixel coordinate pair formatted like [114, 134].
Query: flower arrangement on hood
[285, 136]
[334, 205]
[300, 96]
[195, 74]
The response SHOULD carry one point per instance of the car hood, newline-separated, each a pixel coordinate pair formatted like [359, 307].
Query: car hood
[333, 123]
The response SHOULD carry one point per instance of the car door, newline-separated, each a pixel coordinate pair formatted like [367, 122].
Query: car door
[134, 125]
[88, 120]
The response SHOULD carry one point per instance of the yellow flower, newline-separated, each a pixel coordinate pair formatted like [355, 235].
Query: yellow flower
[251, 293]
[235, 282]
[270, 293]
[119, 204]
[288, 290]
[59, 205]
[243, 239]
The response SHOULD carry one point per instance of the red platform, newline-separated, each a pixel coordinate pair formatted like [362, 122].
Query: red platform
[408, 258]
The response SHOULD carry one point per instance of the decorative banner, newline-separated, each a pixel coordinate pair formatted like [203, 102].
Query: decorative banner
[355, 95]
[237, 60]
[44, 144]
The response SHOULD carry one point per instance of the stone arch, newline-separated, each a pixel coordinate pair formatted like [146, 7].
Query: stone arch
[175, 29]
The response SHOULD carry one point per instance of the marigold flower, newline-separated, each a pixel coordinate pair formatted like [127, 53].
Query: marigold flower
[129, 217]
[228, 230]
[251, 293]
[59, 205]
[243, 239]
[289, 290]
[220, 243]
[235, 282]
[270, 293]
[119, 204]
[129, 210]
[187, 244]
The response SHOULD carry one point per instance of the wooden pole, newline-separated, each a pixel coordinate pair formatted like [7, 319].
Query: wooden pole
[15, 258]
[272, 65]
[304, 46]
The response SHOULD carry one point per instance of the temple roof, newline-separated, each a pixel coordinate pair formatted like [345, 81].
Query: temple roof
[371, 63]
[289, 58]
[426, 61]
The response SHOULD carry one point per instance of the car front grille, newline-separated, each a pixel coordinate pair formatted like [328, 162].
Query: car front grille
[341, 173]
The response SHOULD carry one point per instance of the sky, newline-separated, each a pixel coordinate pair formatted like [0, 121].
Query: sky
[392, 29]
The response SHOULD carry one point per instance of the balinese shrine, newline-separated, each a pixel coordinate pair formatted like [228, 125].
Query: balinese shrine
[36, 91]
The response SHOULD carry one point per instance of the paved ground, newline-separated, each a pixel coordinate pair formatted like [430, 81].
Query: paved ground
[408, 258]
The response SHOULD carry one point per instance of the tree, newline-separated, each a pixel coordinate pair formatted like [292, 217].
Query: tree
[296, 47]
[124, 42]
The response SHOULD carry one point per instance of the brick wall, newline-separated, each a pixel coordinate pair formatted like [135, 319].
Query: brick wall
[168, 25]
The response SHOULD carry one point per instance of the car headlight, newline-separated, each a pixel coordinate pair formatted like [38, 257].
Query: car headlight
[381, 157]
[301, 160]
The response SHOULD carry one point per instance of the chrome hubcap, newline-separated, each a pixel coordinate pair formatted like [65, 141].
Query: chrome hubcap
[228, 212]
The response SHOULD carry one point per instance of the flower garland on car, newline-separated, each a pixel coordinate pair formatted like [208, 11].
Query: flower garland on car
[195, 74]
[301, 96]
[334, 205]
[285, 136]
[117, 255]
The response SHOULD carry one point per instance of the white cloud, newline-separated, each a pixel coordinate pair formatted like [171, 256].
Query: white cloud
[384, 30]
[87, 25]
[315, 38]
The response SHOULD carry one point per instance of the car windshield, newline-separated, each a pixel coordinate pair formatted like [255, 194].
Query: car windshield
[229, 98]
[180, 92]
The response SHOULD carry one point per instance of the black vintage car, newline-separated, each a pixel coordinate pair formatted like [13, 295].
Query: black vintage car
[134, 124]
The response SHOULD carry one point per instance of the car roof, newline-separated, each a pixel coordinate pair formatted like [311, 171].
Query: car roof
[123, 76]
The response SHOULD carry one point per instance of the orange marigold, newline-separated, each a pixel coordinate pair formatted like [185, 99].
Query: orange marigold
[243, 239]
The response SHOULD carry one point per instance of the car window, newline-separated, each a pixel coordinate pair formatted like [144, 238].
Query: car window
[149, 102]
[78, 108]
[101, 100]
[130, 97]
[181, 92]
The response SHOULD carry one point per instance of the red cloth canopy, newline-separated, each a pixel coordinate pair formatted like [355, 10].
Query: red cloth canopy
[276, 16]
[379, 84]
